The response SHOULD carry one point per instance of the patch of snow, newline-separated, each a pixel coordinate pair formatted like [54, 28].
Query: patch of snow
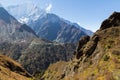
[23, 20]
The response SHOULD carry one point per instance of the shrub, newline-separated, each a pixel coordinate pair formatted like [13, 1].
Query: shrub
[106, 57]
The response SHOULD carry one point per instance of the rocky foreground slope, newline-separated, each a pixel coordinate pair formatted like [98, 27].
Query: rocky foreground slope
[96, 57]
[11, 70]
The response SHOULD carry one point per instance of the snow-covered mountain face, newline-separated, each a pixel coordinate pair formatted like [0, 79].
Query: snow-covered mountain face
[46, 25]
[26, 13]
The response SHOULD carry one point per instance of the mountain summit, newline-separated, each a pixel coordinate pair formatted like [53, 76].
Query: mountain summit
[112, 21]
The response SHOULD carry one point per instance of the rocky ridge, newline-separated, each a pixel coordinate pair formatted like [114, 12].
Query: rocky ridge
[96, 57]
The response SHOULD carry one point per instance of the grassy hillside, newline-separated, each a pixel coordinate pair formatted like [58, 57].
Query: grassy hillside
[11, 70]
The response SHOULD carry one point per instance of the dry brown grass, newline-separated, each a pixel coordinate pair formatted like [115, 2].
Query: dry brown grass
[8, 70]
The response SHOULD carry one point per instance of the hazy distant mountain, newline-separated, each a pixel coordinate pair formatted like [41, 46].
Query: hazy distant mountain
[25, 13]
[46, 25]
[54, 28]
[12, 30]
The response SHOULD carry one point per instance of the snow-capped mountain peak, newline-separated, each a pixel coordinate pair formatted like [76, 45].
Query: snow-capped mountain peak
[27, 12]
[23, 20]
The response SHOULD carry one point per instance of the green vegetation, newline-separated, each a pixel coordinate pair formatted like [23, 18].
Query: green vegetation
[36, 56]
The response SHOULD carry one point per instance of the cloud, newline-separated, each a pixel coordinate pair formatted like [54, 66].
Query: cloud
[48, 8]
[78, 23]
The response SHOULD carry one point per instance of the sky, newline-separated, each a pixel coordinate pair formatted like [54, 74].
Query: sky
[87, 13]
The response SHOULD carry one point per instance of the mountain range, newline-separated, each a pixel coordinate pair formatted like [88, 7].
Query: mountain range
[48, 25]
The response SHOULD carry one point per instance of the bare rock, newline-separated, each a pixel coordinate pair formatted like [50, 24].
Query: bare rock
[82, 42]
[112, 21]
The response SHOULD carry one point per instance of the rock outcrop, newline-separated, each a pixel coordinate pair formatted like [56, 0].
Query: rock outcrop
[81, 45]
[112, 21]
